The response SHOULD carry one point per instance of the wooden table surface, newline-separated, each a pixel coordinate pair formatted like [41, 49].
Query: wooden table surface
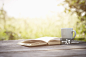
[10, 48]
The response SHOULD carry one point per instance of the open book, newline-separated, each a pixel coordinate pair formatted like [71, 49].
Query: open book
[41, 41]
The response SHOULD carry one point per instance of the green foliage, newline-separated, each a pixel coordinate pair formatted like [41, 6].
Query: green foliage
[79, 7]
[3, 36]
[32, 28]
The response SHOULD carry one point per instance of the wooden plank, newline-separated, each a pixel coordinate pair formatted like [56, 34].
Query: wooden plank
[11, 49]
[47, 53]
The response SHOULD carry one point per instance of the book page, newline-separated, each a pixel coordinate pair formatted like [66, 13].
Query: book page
[40, 41]
[54, 41]
[46, 39]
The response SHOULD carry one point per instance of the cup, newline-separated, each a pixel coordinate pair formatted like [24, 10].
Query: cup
[67, 35]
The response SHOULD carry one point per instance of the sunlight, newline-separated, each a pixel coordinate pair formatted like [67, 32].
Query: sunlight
[34, 19]
[32, 8]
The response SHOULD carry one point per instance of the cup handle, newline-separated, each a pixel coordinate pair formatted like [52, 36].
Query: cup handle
[74, 32]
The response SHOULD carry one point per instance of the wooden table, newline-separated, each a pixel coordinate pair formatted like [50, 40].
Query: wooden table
[10, 48]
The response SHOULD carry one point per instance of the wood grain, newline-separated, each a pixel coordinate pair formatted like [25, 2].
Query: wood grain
[12, 49]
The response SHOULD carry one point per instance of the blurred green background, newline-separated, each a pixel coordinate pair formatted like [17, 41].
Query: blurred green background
[12, 28]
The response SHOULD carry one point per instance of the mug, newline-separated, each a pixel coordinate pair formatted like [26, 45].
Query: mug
[67, 33]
